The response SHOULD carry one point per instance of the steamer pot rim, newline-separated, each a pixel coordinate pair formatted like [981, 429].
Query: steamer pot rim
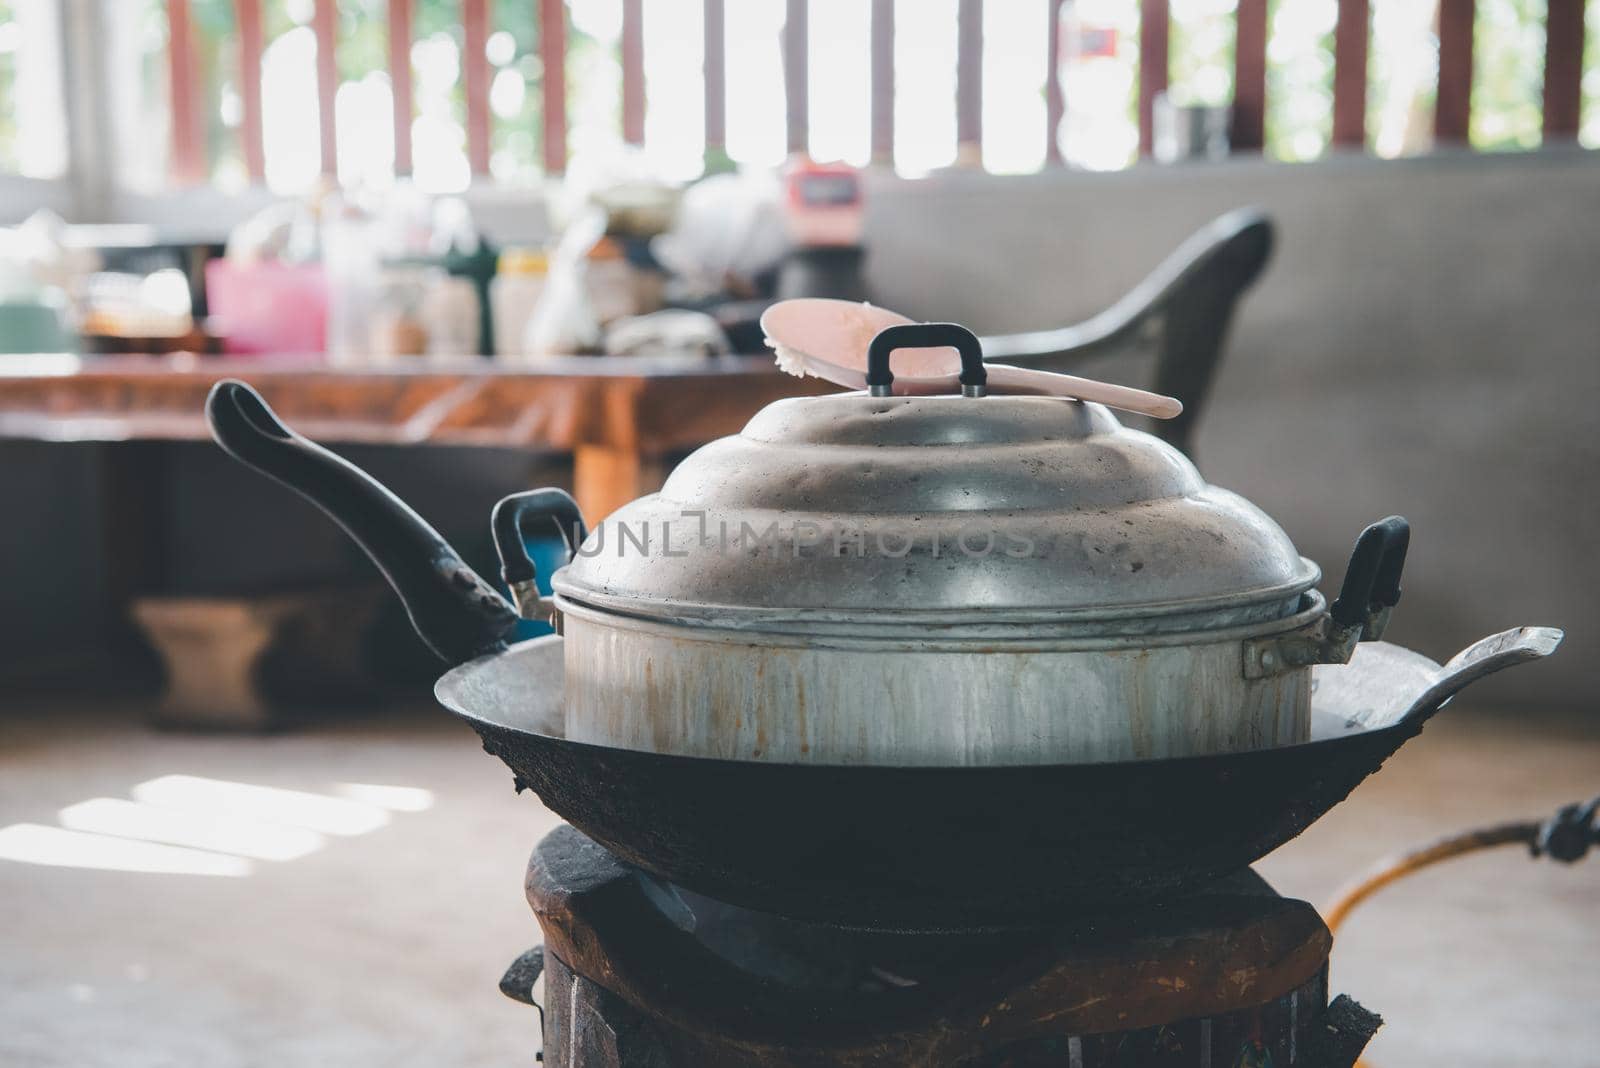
[1260, 607]
[1304, 608]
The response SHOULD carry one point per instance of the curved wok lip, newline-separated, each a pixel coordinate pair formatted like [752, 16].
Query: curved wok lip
[713, 764]
[1327, 730]
[870, 846]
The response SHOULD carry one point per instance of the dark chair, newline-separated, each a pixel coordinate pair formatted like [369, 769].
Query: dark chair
[1184, 305]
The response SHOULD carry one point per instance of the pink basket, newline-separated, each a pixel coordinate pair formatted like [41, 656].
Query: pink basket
[268, 307]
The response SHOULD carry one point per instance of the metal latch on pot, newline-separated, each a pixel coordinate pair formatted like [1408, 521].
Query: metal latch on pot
[1361, 613]
[516, 565]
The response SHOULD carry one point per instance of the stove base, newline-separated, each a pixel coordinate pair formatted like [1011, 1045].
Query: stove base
[587, 1026]
[641, 973]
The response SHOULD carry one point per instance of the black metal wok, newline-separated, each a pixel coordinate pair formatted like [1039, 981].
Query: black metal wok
[918, 848]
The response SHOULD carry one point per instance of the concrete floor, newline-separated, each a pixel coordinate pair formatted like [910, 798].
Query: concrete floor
[385, 947]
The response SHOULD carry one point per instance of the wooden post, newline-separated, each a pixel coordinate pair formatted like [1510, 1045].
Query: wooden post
[716, 71]
[553, 58]
[605, 477]
[883, 82]
[400, 81]
[1249, 122]
[1153, 44]
[1452, 116]
[325, 21]
[1055, 103]
[475, 68]
[969, 83]
[633, 72]
[796, 75]
[183, 86]
[248, 15]
[1350, 75]
[1563, 69]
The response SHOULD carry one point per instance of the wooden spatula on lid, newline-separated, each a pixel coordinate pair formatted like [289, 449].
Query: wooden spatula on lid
[829, 338]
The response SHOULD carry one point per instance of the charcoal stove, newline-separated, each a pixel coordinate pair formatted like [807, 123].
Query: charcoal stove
[638, 972]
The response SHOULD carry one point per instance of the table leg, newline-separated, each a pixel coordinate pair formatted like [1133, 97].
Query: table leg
[133, 521]
[605, 478]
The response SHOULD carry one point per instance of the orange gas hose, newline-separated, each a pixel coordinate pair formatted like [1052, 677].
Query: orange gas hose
[1393, 868]
[1566, 836]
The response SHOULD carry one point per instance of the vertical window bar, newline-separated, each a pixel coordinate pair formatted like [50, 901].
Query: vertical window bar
[475, 68]
[1452, 114]
[325, 21]
[716, 70]
[633, 72]
[883, 82]
[969, 82]
[553, 60]
[1249, 122]
[188, 155]
[248, 13]
[400, 81]
[1350, 75]
[1154, 34]
[1563, 69]
[795, 68]
[1055, 105]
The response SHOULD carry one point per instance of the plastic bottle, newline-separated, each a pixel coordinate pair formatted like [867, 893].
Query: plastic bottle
[513, 294]
[612, 283]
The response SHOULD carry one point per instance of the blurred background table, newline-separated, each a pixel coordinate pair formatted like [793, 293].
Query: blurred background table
[621, 420]
[619, 417]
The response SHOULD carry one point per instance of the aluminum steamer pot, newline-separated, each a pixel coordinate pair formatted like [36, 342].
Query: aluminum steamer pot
[952, 580]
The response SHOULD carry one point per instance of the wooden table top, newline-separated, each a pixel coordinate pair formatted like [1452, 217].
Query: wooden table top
[641, 405]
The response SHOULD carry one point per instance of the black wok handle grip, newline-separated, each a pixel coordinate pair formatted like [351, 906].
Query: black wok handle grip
[1372, 581]
[510, 519]
[880, 380]
[457, 613]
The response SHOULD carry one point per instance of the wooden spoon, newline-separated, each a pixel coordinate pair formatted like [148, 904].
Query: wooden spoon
[828, 339]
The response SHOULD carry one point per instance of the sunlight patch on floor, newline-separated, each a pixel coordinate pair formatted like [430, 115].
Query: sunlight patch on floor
[297, 808]
[394, 798]
[192, 825]
[35, 843]
[218, 830]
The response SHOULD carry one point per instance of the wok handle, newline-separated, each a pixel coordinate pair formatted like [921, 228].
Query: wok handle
[1372, 581]
[507, 524]
[1484, 657]
[880, 379]
[457, 613]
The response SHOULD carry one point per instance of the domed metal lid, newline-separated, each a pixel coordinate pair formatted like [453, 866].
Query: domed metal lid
[945, 516]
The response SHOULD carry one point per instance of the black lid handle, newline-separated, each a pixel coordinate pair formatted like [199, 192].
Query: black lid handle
[880, 380]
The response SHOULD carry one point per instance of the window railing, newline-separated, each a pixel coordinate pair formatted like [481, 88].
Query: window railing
[456, 91]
